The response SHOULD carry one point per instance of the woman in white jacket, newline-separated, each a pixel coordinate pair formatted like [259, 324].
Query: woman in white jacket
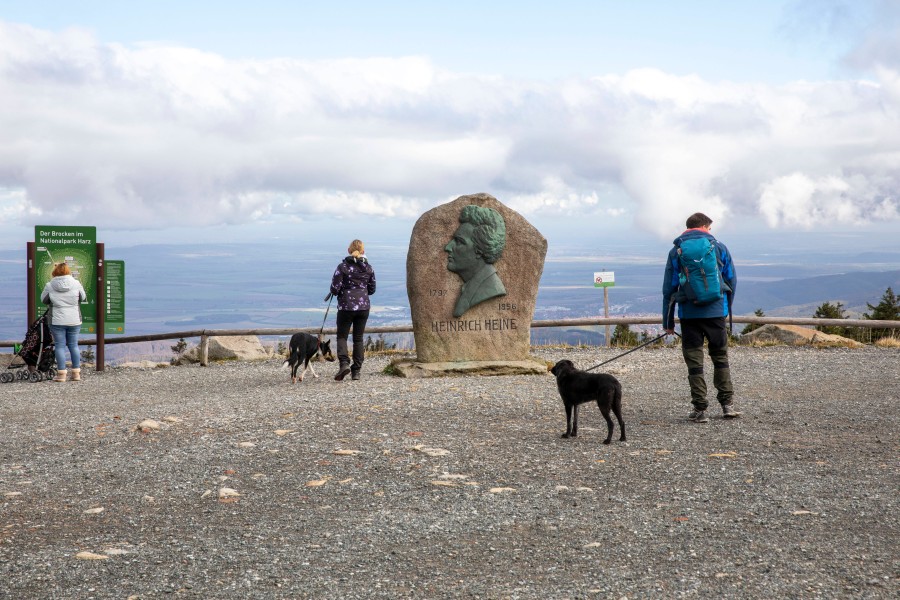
[65, 294]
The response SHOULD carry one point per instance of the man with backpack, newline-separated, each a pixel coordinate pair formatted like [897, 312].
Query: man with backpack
[700, 278]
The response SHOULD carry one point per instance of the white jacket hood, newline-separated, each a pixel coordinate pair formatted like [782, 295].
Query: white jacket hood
[63, 283]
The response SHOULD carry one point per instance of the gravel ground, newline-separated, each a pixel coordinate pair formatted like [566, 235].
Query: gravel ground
[454, 488]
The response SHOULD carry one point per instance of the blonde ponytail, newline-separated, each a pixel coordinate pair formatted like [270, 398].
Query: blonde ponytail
[356, 249]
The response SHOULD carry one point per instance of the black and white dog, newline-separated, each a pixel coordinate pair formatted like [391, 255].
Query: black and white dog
[577, 387]
[305, 347]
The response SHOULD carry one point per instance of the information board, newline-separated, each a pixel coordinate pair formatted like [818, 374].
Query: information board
[115, 297]
[76, 246]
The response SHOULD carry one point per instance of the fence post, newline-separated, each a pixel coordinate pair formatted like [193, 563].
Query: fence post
[204, 350]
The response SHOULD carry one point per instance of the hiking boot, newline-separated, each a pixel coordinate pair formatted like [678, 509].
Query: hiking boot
[354, 375]
[730, 412]
[345, 370]
[698, 416]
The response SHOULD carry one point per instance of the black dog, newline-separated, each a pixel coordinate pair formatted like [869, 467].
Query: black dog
[305, 347]
[577, 387]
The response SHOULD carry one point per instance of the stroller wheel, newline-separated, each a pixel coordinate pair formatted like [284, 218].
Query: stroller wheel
[36, 376]
[51, 373]
[6, 377]
[21, 374]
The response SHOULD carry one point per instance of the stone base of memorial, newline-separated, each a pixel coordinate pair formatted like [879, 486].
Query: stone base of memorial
[417, 370]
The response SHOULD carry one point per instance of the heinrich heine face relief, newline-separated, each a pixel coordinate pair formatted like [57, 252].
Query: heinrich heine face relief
[476, 245]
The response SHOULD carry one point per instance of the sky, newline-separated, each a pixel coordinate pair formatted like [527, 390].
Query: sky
[182, 121]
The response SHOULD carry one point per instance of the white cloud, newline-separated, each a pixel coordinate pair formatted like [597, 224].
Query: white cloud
[151, 136]
[348, 205]
[14, 206]
[878, 43]
[797, 200]
[556, 197]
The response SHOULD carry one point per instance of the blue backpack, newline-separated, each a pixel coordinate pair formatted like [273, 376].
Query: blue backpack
[700, 275]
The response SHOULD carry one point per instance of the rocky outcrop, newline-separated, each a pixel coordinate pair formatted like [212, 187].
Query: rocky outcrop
[795, 335]
[232, 347]
[142, 364]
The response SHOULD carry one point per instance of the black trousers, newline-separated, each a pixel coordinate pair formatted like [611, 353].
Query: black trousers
[355, 320]
[714, 331]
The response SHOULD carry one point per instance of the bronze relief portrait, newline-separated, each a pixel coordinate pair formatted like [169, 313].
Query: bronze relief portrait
[476, 245]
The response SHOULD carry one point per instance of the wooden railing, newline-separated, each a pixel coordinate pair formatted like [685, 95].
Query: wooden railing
[205, 334]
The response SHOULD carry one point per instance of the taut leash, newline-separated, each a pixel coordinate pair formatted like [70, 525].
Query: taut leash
[647, 343]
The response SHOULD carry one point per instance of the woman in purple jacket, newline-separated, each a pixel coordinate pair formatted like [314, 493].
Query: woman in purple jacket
[352, 283]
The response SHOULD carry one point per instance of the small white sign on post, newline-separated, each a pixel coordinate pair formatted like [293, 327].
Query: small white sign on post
[604, 279]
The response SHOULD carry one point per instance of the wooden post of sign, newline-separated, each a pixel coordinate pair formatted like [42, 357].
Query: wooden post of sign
[606, 311]
[31, 293]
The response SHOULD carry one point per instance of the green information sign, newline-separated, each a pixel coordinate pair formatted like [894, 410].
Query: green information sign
[115, 297]
[77, 246]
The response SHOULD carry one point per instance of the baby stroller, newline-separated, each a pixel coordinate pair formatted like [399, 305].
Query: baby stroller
[36, 351]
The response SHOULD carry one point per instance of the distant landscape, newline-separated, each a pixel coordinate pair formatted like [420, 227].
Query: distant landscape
[184, 287]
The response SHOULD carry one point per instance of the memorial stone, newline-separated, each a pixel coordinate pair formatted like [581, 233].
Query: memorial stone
[472, 275]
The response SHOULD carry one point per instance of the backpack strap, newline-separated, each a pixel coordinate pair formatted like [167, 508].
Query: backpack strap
[728, 292]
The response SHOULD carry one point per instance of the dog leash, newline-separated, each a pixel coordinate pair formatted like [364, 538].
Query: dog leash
[322, 328]
[647, 343]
